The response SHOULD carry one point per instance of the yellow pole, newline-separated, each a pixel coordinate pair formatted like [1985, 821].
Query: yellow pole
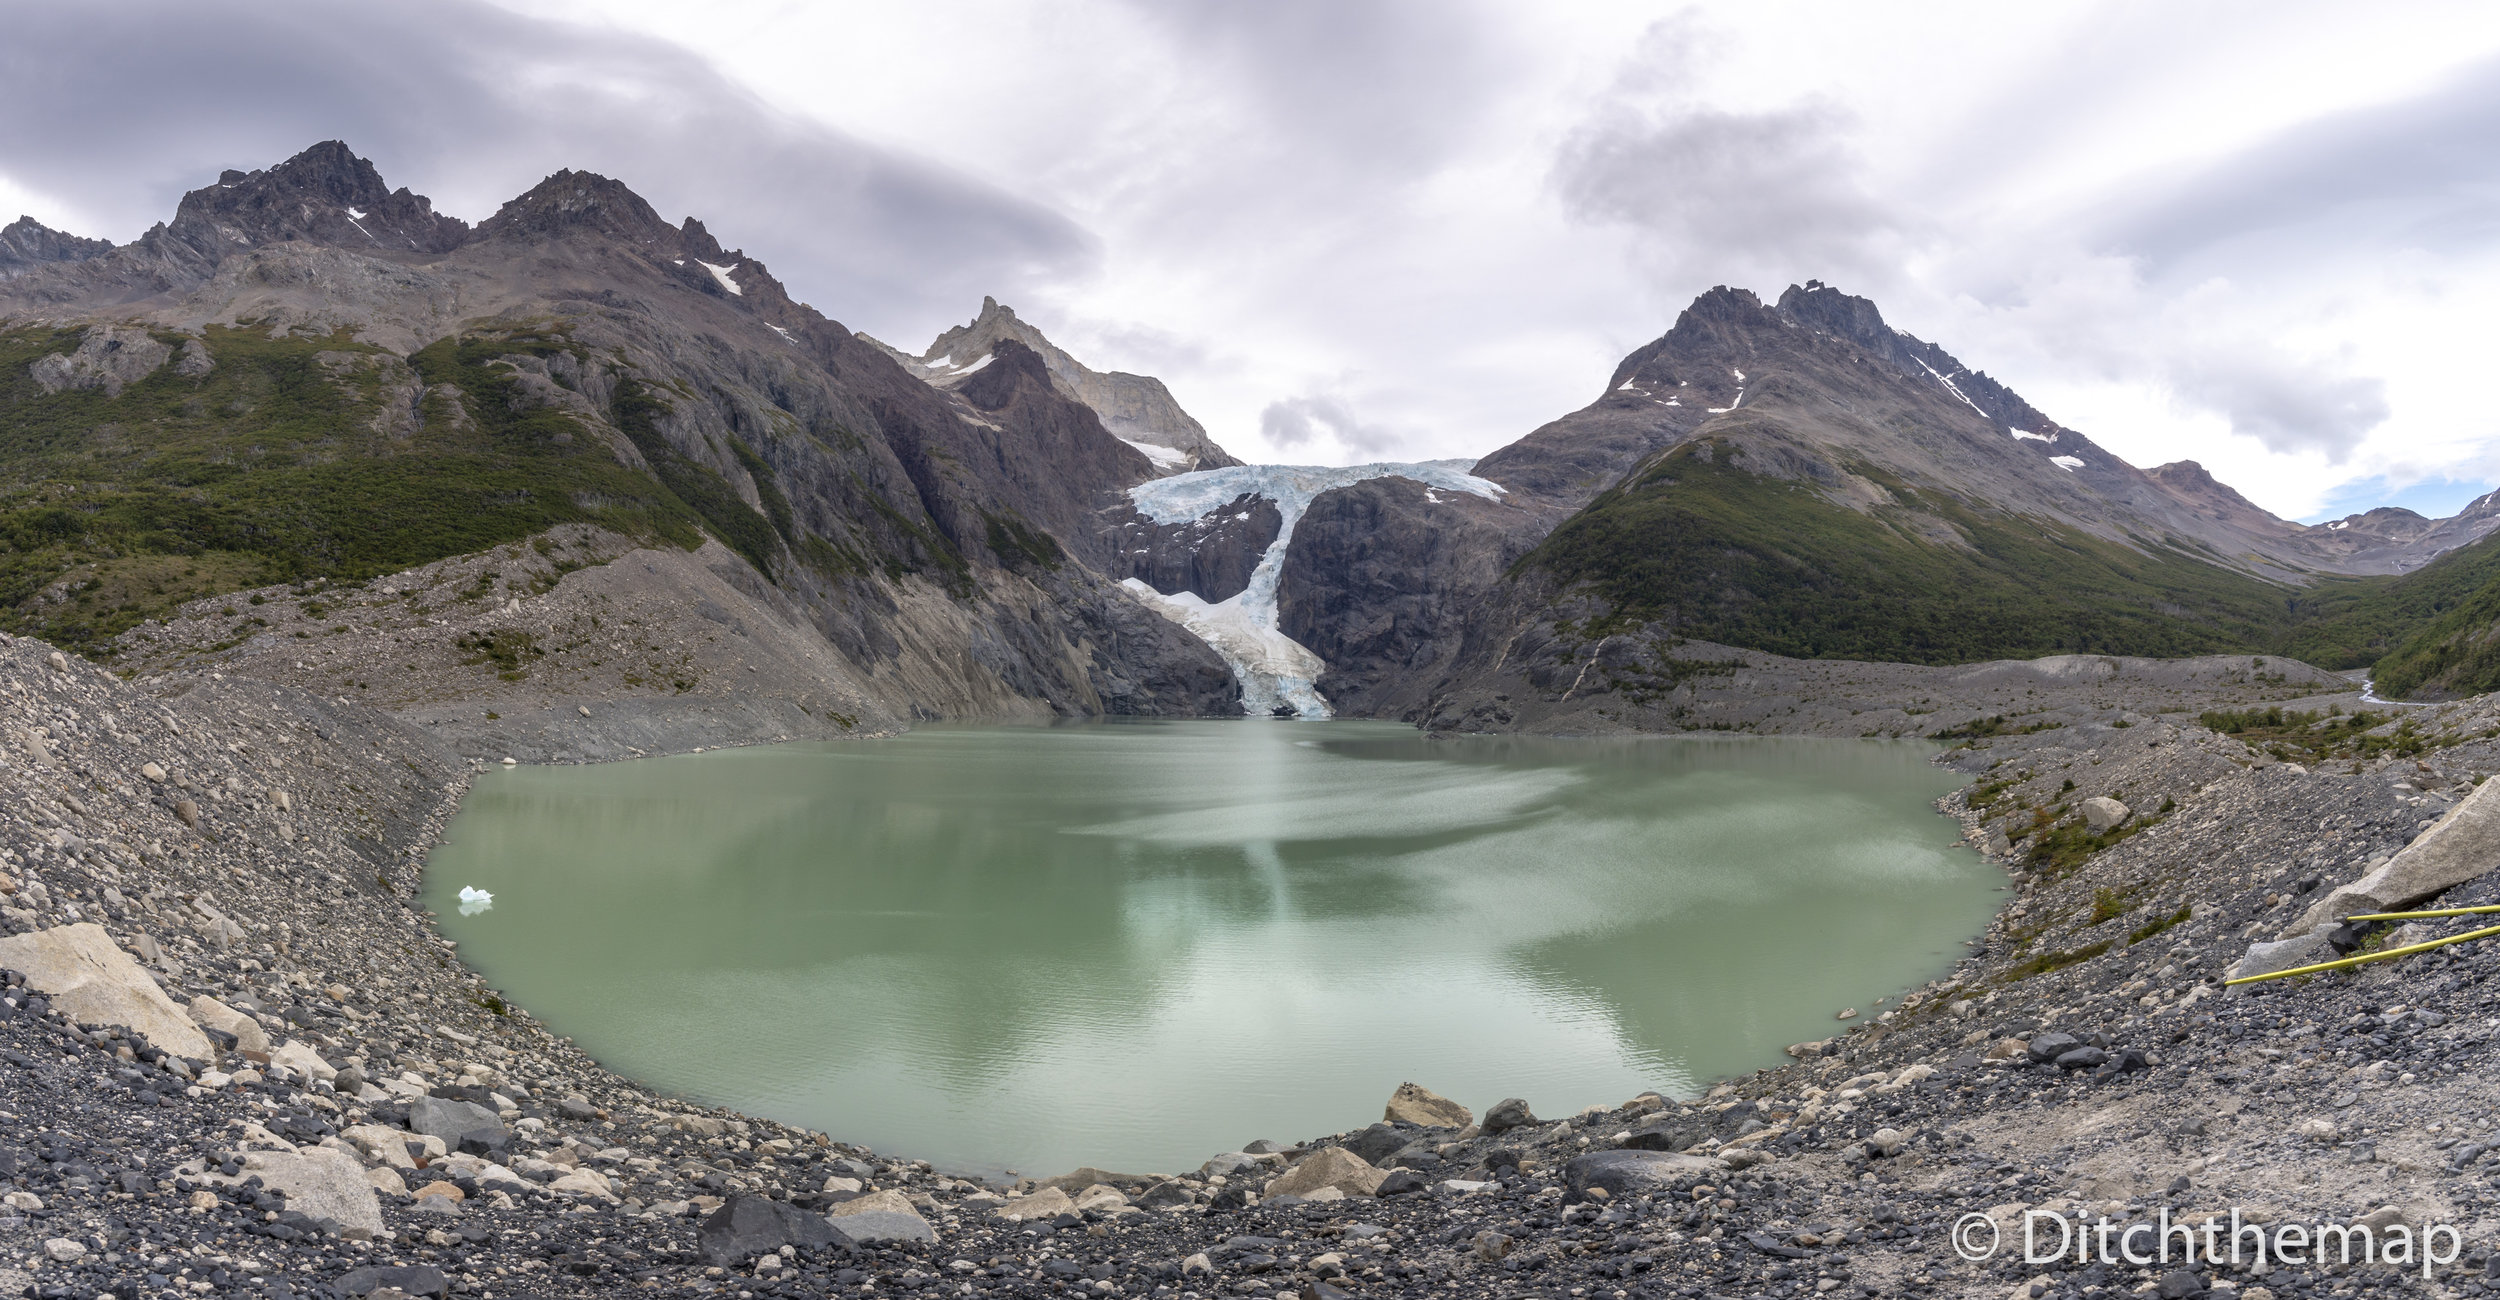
[2408, 916]
[2367, 957]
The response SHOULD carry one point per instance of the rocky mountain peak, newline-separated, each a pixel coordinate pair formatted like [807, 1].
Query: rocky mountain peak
[571, 202]
[324, 195]
[1136, 408]
[2193, 481]
[1819, 306]
[697, 241]
[26, 243]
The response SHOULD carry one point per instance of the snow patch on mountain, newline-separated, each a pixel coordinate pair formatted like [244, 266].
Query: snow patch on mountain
[1275, 671]
[721, 273]
[1163, 457]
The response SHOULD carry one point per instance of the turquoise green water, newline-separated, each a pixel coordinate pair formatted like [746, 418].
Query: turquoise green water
[1133, 945]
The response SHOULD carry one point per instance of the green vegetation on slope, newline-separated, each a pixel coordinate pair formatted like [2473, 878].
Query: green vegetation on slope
[2309, 737]
[1772, 564]
[637, 413]
[2435, 630]
[294, 457]
[2394, 621]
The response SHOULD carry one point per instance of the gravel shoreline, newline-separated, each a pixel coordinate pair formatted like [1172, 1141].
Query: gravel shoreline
[254, 844]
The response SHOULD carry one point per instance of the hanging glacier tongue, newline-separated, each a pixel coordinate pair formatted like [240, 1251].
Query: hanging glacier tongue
[1275, 671]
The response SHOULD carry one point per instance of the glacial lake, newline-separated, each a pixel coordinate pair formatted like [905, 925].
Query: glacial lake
[1135, 944]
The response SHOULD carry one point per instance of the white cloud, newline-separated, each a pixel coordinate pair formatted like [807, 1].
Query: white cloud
[1300, 425]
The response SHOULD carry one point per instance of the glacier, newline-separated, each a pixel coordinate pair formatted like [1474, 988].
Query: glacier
[1276, 672]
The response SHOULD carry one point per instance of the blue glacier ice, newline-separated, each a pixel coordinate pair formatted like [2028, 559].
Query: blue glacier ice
[1275, 671]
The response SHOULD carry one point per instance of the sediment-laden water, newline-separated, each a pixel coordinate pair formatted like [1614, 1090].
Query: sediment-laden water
[1132, 945]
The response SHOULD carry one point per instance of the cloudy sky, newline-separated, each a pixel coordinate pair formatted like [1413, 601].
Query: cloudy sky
[2259, 235]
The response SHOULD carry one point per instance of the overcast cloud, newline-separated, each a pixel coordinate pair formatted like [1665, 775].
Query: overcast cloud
[2258, 235]
[117, 111]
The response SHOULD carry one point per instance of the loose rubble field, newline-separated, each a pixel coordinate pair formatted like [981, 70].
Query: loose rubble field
[235, 1061]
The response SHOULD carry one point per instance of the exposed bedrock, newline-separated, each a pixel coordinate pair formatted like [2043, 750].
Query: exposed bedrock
[1382, 578]
[1212, 555]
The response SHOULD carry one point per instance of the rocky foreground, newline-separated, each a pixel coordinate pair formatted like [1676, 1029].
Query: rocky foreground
[234, 1059]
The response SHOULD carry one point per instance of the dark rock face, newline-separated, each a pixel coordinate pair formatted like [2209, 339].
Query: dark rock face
[1212, 556]
[27, 242]
[1049, 452]
[1382, 580]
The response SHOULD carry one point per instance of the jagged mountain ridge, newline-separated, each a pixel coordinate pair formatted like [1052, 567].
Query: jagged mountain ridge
[26, 243]
[945, 542]
[1137, 408]
[844, 475]
[1799, 477]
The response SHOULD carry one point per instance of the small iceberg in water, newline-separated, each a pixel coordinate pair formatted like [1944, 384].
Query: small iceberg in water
[474, 900]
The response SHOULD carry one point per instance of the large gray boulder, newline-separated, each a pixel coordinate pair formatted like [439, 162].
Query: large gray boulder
[871, 1228]
[457, 1123]
[2460, 846]
[96, 983]
[2104, 814]
[2285, 954]
[324, 1182]
[883, 1217]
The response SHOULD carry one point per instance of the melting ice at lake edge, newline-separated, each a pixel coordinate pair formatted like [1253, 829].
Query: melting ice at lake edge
[1275, 671]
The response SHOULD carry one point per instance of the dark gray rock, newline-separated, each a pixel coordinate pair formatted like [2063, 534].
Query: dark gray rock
[1400, 1182]
[2180, 1283]
[1164, 1195]
[1508, 1113]
[2081, 1058]
[2048, 1047]
[747, 1226]
[1377, 1143]
[1384, 580]
[1671, 1134]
